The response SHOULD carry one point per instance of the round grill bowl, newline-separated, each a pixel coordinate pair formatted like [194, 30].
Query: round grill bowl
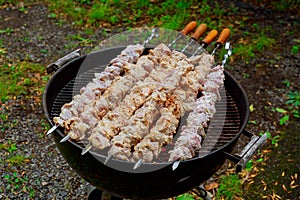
[154, 184]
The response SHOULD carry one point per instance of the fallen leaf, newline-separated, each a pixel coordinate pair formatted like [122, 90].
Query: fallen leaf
[24, 189]
[211, 186]
[266, 151]
[253, 175]
[294, 186]
[283, 173]
[251, 108]
[284, 188]
[292, 183]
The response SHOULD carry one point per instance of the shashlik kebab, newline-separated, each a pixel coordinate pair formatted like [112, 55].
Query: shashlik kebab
[189, 141]
[194, 133]
[162, 134]
[126, 140]
[99, 84]
[170, 68]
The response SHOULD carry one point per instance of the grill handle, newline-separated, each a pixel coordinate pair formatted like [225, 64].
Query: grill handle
[241, 159]
[53, 67]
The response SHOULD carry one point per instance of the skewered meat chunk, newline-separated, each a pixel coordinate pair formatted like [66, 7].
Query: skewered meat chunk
[151, 145]
[140, 93]
[204, 109]
[161, 134]
[127, 139]
[166, 125]
[100, 83]
[193, 82]
[137, 128]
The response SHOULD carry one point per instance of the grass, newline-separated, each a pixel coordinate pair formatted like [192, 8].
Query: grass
[185, 197]
[8, 146]
[168, 14]
[230, 187]
[13, 181]
[292, 108]
[284, 5]
[6, 31]
[23, 79]
[248, 50]
[17, 183]
[17, 160]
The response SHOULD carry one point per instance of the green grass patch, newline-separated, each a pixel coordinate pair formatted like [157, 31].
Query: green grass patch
[286, 5]
[185, 197]
[17, 159]
[168, 14]
[17, 183]
[230, 187]
[8, 146]
[21, 79]
[258, 44]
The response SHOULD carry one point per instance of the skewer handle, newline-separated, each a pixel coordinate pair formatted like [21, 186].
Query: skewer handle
[209, 38]
[189, 27]
[199, 31]
[223, 37]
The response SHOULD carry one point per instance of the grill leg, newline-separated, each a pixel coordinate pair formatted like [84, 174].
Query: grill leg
[96, 194]
[203, 193]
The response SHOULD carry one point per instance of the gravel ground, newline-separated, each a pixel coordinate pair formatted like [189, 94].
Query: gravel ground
[45, 173]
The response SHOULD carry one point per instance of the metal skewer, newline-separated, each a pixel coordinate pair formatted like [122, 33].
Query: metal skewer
[206, 41]
[221, 40]
[51, 130]
[138, 163]
[175, 165]
[226, 56]
[86, 149]
[153, 33]
[107, 159]
[229, 52]
[187, 29]
[196, 35]
[67, 137]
